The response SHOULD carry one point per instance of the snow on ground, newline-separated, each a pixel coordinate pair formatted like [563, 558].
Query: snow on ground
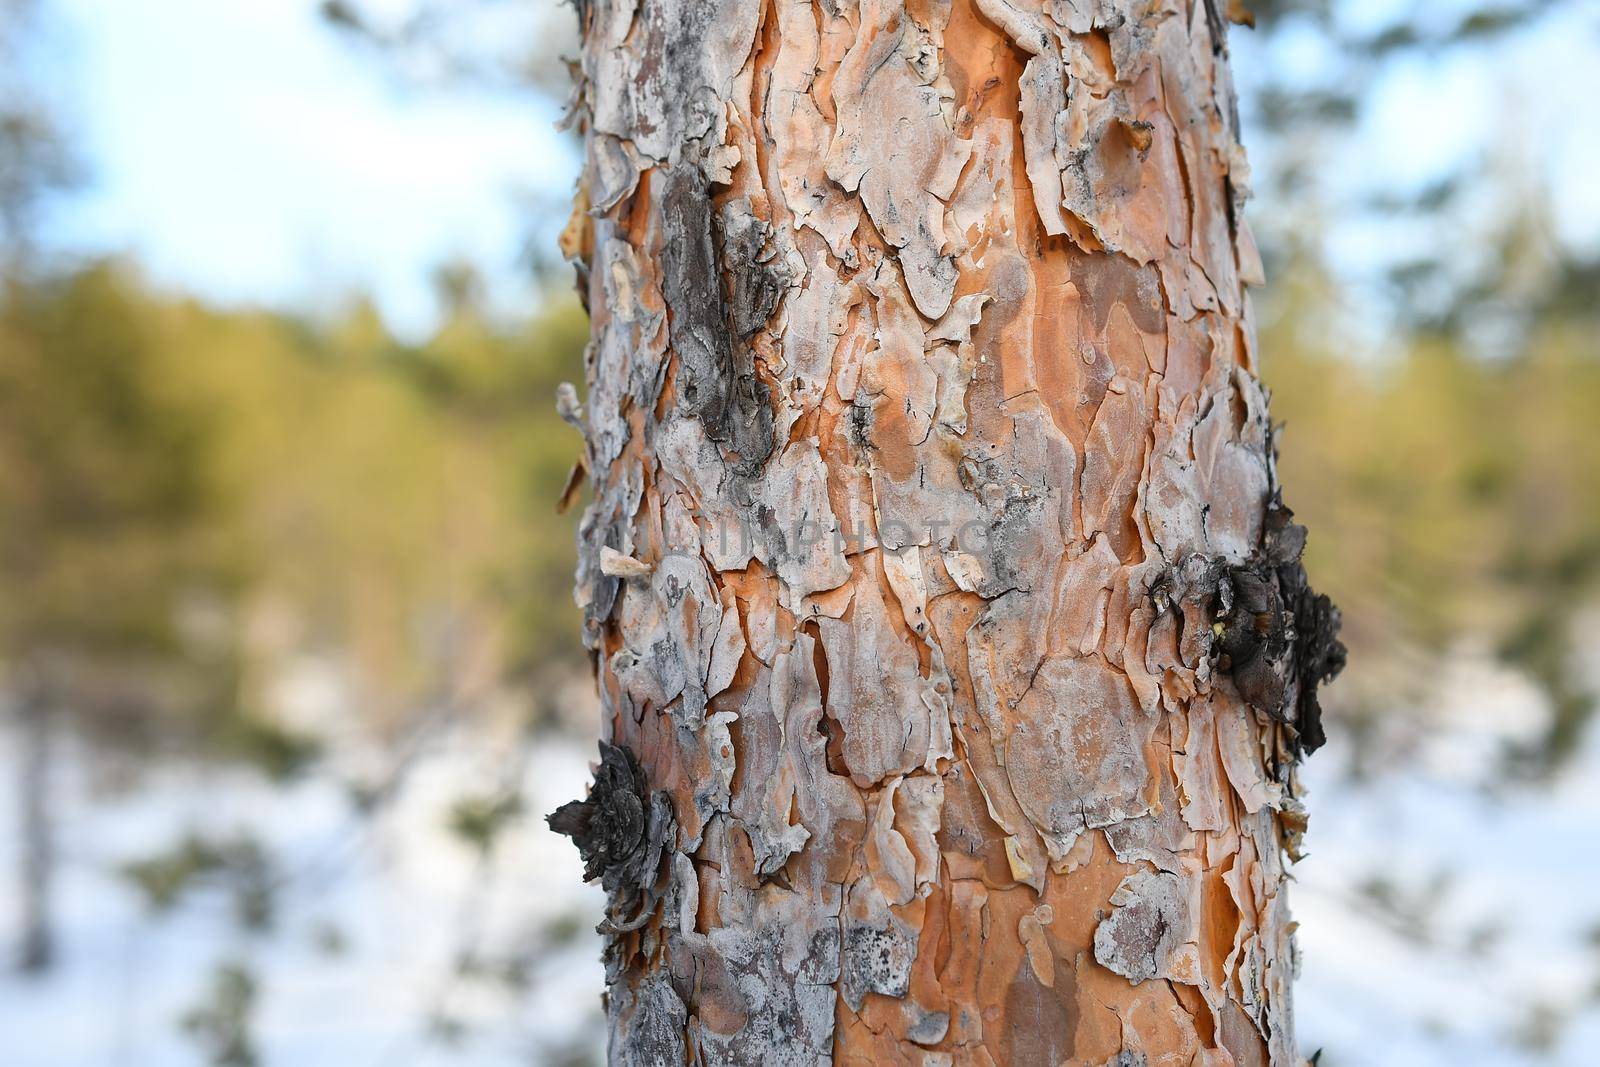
[400, 890]
[1515, 870]
[1429, 969]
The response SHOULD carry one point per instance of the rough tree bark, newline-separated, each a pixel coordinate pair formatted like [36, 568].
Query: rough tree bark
[953, 649]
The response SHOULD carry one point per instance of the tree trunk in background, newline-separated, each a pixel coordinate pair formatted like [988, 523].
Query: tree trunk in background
[36, 847]
[935, 562]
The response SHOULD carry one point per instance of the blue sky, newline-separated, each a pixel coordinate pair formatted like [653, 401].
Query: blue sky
[244, 151]
[241, 150]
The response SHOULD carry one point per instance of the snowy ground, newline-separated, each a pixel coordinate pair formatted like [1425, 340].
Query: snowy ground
[372, 915]
[1485, 947]
[1477, 950]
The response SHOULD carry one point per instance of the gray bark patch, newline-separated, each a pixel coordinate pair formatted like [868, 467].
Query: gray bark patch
[647, 1024]
[877, 959]
[717, 383]
[780, 981]
[1148, 923]
[757, 279]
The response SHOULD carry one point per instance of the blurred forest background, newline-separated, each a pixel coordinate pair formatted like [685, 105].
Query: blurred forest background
[288, 656]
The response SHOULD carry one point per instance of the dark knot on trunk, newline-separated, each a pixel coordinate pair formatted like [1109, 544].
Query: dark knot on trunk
[1277, 638]
[621, 830]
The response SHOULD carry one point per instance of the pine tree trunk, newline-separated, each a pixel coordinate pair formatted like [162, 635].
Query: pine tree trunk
[953, 649]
